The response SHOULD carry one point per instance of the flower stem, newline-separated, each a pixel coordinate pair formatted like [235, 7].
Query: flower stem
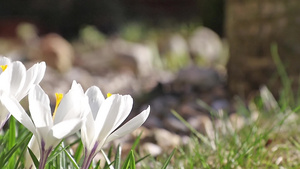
[89, 155]
[87, 161]
[44, 155]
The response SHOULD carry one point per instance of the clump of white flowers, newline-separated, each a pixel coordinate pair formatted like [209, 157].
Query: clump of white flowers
[99, 118]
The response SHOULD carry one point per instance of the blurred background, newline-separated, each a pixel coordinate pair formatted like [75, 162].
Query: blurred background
[193, 56]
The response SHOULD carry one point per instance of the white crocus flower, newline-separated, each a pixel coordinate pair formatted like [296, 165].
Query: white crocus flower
[50, 130]
[16, 81]
[103, 121]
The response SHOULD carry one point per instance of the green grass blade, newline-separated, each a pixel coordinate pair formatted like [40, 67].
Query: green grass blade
[212, 111]
[141, 159]
[59, 158]
[108, 156]
[126, 163]
[9, 154]
[12, 140]
[296, 109]
[132, 160]
[34, 159]
[168, 160]
[287, 98]
[107, 160]
[56, 152]
[98, 164]
[3, 143]
[71, 159]
[117, 163]
[2, 157]
[129, 161]
[23, 150]
[12, 132]
[78, 152]
[193, 130]
[136, 141]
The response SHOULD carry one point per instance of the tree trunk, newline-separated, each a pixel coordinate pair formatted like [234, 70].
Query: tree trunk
[251, 27]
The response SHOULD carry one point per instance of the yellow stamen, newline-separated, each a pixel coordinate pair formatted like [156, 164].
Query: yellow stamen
[59, 96]
[3, 67]
[108, 95]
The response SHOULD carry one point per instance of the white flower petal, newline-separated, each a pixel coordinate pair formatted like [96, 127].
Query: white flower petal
[66, 128]
[14, 107]
[49, 140]
[95, 99]
[88, 132]
[43, 134]
[103, 113]
[73, 105]
[33, 76]
[17, 72]
[115, 109]
[41, 68]
[4, 60]
[39, 106]
[5, 78]
[111, 114]
[4, 115]
[130, 126]
[124, 111]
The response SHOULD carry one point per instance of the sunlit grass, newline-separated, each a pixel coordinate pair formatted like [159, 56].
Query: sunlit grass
[271, 141]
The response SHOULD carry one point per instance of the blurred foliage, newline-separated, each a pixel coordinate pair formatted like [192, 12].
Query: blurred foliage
[91, 36]
[134, 32]
[170, 46]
